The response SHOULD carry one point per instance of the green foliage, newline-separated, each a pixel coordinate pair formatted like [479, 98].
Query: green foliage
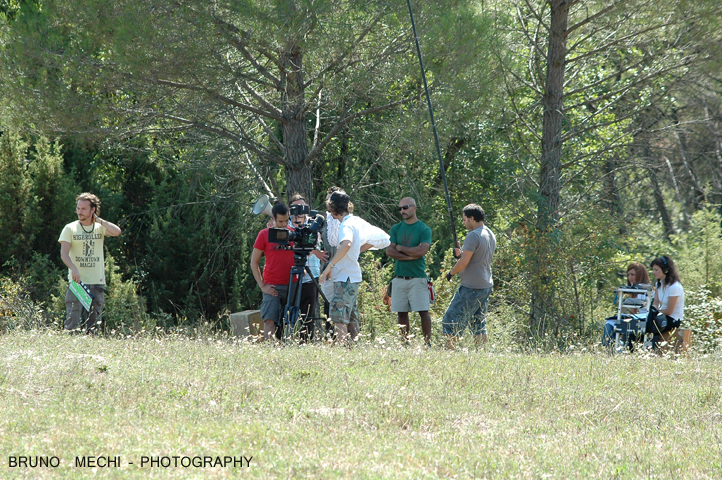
[698, 252]
[376, 318]
[35, 198]
[124, 311]
[578, 275]
[17, 310]
[703, 313]
[14, 197]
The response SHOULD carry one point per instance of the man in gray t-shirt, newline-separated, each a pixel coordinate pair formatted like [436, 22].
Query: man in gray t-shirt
[474, 266]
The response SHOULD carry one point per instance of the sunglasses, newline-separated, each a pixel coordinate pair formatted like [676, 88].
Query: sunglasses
[405, 207]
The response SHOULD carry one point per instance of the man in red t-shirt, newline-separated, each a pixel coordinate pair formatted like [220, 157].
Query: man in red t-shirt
[274, 280]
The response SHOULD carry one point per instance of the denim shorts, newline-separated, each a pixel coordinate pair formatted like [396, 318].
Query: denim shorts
[273, 307]
[468, 307]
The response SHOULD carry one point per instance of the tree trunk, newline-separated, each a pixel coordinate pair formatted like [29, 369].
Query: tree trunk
[661, 206]
[295, 138]
[551, 143]
[718, 148]
[685, 217]
[699, 194]
[612, 198]
[550, 168]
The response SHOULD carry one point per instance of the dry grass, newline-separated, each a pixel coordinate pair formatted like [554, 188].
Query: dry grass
[374, 411]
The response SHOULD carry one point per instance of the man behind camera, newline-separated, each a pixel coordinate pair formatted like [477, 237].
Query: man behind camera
[309, 292]
[276, 272]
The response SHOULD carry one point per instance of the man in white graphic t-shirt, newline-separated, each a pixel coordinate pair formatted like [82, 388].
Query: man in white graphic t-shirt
[81, 249]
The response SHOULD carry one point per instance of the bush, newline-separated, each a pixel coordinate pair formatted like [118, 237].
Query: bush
[699, 261]
[703, 312]
[17, 310]
[124, 311]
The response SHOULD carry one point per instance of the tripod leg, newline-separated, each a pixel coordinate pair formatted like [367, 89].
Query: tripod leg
[309, 298]
[291, 312]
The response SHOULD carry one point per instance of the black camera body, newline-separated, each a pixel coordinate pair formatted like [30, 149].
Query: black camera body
[304, 237]
[301, 210]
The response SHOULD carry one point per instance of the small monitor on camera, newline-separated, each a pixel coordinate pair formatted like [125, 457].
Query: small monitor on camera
[278, 235]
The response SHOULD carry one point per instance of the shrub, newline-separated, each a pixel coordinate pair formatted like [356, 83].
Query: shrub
[703, 312]
[17, 310]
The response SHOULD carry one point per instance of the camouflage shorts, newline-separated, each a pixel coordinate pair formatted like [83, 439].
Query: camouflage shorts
[343, 303]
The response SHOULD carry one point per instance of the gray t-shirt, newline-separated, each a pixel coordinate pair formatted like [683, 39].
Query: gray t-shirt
[477, 273]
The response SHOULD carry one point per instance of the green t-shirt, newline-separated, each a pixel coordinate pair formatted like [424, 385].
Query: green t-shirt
[86, 251]
[410, 236]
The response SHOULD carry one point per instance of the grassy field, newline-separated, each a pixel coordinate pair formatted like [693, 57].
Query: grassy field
[373, 411]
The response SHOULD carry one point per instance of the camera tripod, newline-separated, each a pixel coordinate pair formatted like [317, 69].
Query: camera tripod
[292, 311]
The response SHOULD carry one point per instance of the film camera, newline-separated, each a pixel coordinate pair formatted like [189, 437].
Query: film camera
[304, 237]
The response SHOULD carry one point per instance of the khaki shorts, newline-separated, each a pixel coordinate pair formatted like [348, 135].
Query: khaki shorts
[410, 295]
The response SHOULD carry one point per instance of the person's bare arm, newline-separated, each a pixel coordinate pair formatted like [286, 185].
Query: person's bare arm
[256, 269]
[340, 253]
[111, 229]
[65, 256]
[671, 303]
[323, 256]
[462, 263]
[394, 253]
[414, 252]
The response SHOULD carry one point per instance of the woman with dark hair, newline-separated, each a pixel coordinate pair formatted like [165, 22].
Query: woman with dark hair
[636, 275]
[669, 298]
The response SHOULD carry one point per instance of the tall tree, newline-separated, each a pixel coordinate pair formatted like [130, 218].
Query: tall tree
[588, 68]
[279, 80]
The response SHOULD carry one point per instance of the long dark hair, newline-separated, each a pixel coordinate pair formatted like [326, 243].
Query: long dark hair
[669, 269]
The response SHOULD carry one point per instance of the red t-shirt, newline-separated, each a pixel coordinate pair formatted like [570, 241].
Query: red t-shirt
[278, 261]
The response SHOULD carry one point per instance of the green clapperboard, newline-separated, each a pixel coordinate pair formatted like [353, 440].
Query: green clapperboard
[82, 293]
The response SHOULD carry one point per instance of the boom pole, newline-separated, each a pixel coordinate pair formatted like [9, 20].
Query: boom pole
[433, 126]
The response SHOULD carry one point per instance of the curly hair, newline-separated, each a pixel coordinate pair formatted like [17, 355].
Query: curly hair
[92, 199]
[338, 203]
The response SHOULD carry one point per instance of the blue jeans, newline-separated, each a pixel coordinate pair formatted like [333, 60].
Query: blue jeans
[467, 307]
[608, 335]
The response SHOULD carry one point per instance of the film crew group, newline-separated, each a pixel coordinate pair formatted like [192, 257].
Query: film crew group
[286, 250]
[81, 249]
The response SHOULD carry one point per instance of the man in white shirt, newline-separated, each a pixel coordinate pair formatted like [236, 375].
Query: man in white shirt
[309, 294]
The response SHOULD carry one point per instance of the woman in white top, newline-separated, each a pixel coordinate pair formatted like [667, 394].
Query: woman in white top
[669, 299]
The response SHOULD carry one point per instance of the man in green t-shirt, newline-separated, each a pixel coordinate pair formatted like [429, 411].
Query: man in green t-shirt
[410, 240]
[81, 249]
